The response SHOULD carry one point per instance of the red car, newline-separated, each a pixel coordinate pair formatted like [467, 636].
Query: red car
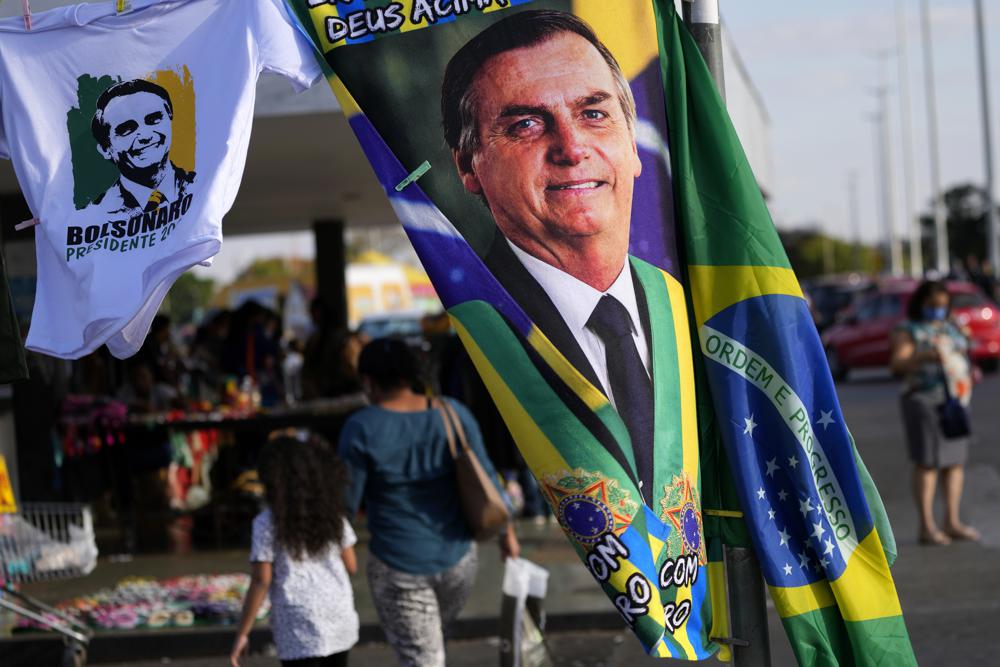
[862, 336]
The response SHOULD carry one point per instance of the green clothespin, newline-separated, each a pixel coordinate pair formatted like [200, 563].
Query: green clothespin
[414, 175]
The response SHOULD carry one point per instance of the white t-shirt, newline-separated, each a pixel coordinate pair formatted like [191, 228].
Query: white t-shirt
[128, 134]
[312, 602]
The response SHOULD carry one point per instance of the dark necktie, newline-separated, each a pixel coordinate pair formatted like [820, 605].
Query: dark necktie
[630, 384]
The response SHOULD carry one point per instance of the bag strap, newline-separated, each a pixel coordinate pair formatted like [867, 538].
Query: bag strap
[457, 423]
[442, 409]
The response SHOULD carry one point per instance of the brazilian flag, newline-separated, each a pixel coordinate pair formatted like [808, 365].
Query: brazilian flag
[814, 518]
[745, 411]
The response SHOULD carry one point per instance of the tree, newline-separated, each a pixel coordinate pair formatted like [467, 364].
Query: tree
[965, 207]
[269, 272]
[813, 253]
[189, 295]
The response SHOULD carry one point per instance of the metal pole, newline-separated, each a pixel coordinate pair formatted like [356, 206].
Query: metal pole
[993, 242]
[743, 576]
[912, 220]
[937, 196]
[852, 187]
[887, 176]
[702, 19]
[878, 171]
[747, 608]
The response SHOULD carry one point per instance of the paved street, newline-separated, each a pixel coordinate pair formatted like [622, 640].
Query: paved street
[950, 595]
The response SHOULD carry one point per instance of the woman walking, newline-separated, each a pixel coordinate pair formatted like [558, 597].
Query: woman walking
[931, 353]
[422, 559]
[302, 553]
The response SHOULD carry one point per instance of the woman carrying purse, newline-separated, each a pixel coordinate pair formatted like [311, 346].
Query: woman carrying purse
[931, 354]
[422, 556]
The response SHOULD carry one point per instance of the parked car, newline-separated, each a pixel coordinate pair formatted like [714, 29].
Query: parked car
[831, 295]
[862, 338]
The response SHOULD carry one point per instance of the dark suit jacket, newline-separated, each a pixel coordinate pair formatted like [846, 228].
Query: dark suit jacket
[118, 199]
[526, 291]
[507, 269]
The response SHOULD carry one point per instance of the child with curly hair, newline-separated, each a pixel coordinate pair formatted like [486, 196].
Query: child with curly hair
[302, 553]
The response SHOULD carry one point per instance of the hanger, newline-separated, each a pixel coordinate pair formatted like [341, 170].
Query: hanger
[121, 7]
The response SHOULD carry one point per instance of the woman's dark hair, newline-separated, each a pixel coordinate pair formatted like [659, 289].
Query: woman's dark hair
[390, 363]
[304, 484]
[923, 294]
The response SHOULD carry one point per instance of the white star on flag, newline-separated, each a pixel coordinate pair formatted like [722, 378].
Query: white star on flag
[825, 418]
[818, 530]
[750, 426]
[772, 465]
[793, 462]
[760, 493]
[784, 537]
[806, 506]
[770, 515]
[803, 560]
[829, 546]
[825, 562]
[782, 495]
[788, 570]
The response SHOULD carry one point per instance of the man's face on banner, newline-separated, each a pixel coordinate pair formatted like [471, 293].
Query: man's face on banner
[139, 132]
[556, 157]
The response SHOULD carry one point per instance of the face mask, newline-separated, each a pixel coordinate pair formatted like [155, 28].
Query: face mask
[931, 314]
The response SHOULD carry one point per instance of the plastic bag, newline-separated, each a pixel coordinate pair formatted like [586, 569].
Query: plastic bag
[522, 617]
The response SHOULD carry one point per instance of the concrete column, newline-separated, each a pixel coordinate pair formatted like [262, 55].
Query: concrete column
[8, 445]
[331, 268]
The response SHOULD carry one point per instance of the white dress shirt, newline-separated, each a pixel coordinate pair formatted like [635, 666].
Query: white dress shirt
[576, 300]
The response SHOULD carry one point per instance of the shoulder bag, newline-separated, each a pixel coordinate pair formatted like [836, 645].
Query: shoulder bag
[953, 416]
[482, 505]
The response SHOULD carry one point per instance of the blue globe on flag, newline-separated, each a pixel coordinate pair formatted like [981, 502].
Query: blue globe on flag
[585, 517]
[692, 528]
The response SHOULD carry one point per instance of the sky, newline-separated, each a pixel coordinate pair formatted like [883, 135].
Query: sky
[815, 65]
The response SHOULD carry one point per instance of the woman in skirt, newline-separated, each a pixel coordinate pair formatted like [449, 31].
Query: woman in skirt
[931, 353]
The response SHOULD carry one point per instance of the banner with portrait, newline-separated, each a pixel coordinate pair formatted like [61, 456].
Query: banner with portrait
[523, 146]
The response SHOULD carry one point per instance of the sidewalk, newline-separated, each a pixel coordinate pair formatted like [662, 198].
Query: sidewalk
[949, 594]
[571, 588]
[949, 597]
[574, 601]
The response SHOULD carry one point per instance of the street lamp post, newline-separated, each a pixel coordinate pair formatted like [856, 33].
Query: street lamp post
[878, 173]
[940, 224]
[855, 204]
[887, 178]
[912, 220]
[993, 242]
[702, 19]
